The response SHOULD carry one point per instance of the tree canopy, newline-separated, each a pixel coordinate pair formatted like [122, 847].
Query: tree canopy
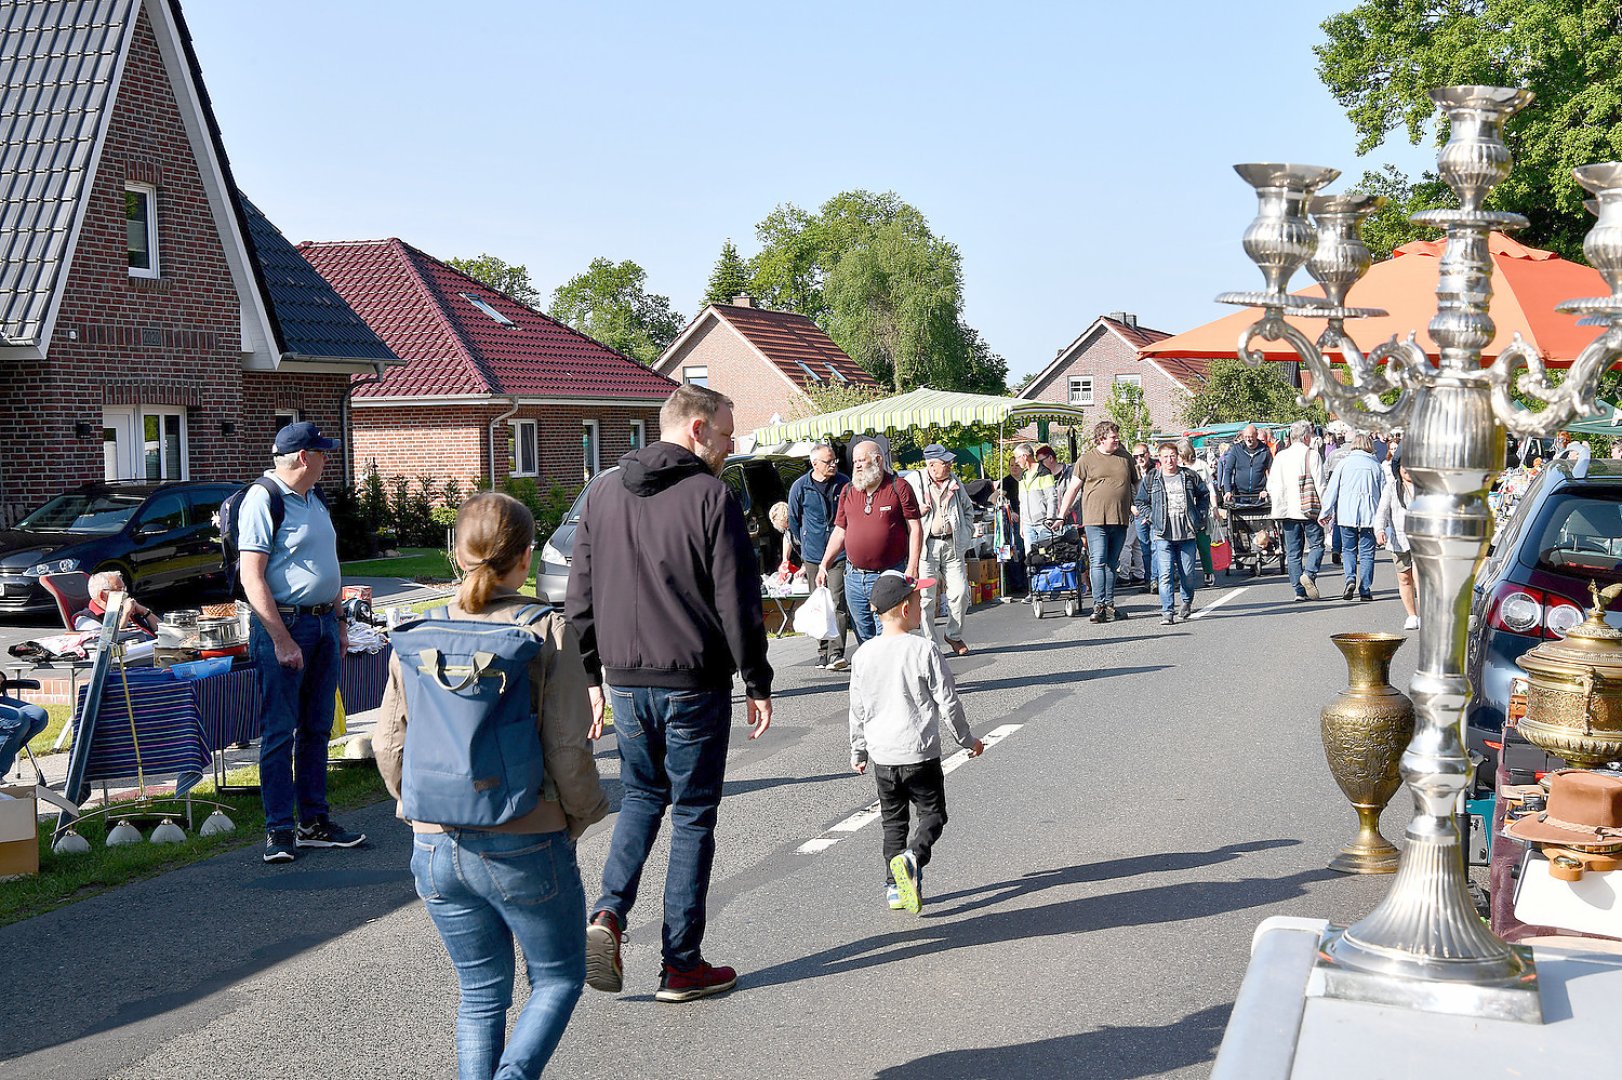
[610, 302]
[1236, 393]
[868, 269]
[1127, 408]
[1382, 57]
[500, 275]
[730, 277]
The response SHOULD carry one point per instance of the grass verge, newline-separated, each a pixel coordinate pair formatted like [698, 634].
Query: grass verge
[418, 564]
[64, 879]
[41, 744]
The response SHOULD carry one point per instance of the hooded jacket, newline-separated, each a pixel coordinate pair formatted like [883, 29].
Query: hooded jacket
[664, 589]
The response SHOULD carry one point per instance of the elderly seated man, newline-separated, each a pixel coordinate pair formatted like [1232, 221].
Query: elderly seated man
[103, 585]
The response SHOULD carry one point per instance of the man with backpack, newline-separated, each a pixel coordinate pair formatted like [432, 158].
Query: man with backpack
[665, 595]
[289, 574]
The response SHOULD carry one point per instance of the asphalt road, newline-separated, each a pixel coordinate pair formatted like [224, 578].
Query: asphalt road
[1089, 912]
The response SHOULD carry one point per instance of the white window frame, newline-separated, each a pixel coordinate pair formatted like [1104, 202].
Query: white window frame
[639, 434]
[151, 194]
[293, 417]
[591, 447]
[515, 460]
[1131, 378]
[128, 457]
[1081, 390]
[696, 375]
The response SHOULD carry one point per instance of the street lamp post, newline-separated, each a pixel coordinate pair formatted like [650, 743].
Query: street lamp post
[1424, 946]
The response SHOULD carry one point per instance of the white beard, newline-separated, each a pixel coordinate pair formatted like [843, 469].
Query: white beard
[867, 477]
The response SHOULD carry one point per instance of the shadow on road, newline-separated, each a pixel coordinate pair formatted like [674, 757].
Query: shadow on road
[1105, 1053]
[1177, 903]
[1057, 678]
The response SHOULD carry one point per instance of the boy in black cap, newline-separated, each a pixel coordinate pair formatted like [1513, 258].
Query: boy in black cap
[899, 694]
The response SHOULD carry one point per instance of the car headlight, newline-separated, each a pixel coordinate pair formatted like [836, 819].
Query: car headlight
[552, 555]
[57, 566]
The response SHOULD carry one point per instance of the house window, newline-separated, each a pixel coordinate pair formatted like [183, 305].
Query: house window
[1130, 380]
[141, 227]
[144, 442]
[696, 376]
[525, 460]
[590, 445]
[1081, 391]
[639, 434]
[484, 305]
[285, 417]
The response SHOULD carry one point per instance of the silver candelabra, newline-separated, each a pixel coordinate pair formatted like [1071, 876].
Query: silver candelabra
[1423, 945]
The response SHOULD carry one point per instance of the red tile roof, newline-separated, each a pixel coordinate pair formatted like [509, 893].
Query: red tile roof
[1139, 336]
[795, 344]
[420, 308]
[1192, 374]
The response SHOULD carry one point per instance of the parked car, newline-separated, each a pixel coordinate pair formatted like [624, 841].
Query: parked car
[1533, 587]
[161, 537]
[756, 480]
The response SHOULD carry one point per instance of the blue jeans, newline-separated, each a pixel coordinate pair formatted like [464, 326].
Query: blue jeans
[484, 890]
[1174, 562]
[1104, 544]
[1357, 555]
[1299, 534]
[20, 721]
[673, 753]
[1146, 544]
[295, 718]
[858, 600]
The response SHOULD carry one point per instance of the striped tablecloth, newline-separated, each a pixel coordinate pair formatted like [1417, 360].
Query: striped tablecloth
[230, 702]
[167, 736]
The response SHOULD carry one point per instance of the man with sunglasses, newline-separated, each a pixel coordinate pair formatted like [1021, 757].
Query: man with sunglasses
[1137, 554]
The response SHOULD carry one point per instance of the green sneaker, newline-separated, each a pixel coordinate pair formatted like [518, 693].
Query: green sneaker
[893, 896]
[905, 868]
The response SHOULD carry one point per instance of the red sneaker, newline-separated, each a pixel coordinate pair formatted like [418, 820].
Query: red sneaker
[604, 970]
[694, 983]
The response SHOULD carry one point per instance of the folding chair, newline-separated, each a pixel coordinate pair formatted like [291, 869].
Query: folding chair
[71, 593]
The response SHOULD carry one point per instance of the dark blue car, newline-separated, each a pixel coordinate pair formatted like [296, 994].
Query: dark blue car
[161, 537]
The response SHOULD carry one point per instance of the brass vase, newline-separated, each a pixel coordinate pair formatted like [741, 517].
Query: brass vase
[1365, 730]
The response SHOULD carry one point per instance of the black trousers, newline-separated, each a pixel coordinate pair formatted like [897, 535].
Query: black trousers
[902, 787]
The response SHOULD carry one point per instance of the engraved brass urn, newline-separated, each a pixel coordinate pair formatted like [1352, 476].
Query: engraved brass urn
[1365, 730]
[1574, 690]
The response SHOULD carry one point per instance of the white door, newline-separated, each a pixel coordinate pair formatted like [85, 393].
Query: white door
[144, 442]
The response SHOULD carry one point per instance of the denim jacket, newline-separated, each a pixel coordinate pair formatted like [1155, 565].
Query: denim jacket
[1353, 495]
[1152, 499]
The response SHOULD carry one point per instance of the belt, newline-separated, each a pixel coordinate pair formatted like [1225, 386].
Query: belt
[304, 609]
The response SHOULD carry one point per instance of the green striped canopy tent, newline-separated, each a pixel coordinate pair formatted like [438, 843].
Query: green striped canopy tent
[920, 408]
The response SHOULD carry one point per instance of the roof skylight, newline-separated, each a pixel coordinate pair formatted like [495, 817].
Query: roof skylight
[484, 306]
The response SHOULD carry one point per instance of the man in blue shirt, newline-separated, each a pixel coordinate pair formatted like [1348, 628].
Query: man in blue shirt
[812, 500]
[291, 579]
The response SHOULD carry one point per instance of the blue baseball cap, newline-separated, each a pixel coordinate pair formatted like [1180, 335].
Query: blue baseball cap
[303, 436]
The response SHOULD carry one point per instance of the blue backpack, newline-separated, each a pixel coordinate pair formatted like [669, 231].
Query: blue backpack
[472, 751]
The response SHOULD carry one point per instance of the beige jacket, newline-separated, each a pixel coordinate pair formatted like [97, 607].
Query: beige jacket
[572, 797]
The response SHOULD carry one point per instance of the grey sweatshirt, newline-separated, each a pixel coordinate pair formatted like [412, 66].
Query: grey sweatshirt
[899, 694]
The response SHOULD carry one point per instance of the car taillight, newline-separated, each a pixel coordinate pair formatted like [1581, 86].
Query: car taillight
[1521, 609]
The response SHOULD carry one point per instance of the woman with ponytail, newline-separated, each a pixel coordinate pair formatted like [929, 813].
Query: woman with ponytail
[486, 888]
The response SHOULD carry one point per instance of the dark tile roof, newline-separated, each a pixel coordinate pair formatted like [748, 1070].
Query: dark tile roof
[421, 309]
[57, 60]
[795, 344]
[313, 319]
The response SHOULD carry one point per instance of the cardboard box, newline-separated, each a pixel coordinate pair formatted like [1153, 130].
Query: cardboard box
[19, 833]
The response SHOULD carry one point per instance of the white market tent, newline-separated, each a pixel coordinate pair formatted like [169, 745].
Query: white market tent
[920, 408]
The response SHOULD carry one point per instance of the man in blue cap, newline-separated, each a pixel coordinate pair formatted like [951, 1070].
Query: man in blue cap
[290, 575]
[948, 523]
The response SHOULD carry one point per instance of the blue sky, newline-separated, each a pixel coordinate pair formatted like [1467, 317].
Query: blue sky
[1078, 154]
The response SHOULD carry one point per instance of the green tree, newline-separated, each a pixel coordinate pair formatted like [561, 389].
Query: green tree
[1382, 57]
[1390, 227]
[610, 302]
[729, 278]
[868, 269]
[500, 275]
[1236, 393]
[1127, 408]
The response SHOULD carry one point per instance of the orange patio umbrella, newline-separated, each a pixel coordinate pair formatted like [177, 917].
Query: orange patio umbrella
[1526, 285]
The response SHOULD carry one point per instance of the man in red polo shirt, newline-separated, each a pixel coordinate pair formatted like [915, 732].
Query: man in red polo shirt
[878, 526]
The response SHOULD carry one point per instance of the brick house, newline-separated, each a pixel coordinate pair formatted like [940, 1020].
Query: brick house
[152, 325]
[763, 360]
[1106, 353]
[489, 387]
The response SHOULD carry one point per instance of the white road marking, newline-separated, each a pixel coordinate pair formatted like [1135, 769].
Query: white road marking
[870, 812]
[1208, 608]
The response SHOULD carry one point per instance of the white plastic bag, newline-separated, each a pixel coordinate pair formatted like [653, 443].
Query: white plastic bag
[816, 617]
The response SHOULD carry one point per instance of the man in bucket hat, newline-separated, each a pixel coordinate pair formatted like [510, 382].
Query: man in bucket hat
[947, 515]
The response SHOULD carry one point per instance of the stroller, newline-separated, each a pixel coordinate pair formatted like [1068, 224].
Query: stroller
[1257, 539]
[1057, 566]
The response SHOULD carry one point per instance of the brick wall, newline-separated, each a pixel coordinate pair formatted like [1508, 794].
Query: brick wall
[1103, 355]
[756, 388]
[452, 442]
[173, 340]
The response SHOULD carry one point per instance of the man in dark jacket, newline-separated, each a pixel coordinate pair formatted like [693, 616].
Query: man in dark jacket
[665, 595]
[812, 500]
[1242, 474]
